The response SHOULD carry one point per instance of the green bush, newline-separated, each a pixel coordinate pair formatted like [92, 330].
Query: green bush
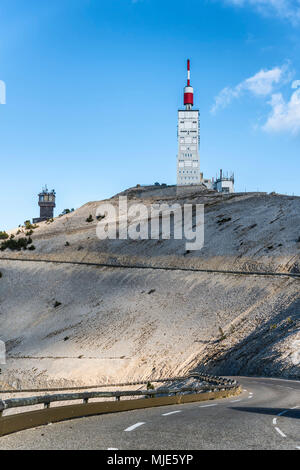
[150, 386]
[16, 245]
[90, 218]
[3, 235]
[29, 225]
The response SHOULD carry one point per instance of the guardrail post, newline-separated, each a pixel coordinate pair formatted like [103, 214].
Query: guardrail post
[47, 404]
[85, 401]
[117, 397]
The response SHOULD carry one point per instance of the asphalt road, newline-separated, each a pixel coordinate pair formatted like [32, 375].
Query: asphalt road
[265, 416]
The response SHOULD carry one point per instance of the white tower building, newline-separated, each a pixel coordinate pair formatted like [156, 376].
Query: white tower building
[188, 161]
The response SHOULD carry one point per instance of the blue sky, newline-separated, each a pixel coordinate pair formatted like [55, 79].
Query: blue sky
[93, 88]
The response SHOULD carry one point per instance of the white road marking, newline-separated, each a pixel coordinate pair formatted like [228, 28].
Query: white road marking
[112, 448]
[282, 412]
[250, 396]
[234, 401]
[134, 426]
[244, 390]
[205, 406]
[171, 413]
[280, 432]
[298, 447]
[274, 420]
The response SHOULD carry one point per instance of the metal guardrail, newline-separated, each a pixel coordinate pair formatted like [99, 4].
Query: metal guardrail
[219, 388]
[219, 382]
[206, 378]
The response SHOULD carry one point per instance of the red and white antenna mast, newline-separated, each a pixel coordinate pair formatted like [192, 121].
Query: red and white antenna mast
[188, 90]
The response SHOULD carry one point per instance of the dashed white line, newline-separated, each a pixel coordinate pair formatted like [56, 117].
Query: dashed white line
[112, 448]
[298, 447]
[171, 413]
[134, 426]
[206, 406]
[274, 420]
[234, 401]
[280, 432]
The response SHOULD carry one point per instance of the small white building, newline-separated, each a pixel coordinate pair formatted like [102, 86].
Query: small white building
[224, 184]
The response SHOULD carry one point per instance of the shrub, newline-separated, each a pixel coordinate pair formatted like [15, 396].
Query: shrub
[29, 225]
[16, 245]
[67, 244]
[90, 218]
[30, 232]
[31, 248]
[56, 304]
[3, 235]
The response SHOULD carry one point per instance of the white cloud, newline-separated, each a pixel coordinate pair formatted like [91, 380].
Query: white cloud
[285, 116]
[285, 9]
[261, 84]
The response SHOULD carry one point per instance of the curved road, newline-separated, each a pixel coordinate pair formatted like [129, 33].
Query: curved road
[265, 416]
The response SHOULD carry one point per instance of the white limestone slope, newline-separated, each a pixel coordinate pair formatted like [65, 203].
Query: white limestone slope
[117, 324]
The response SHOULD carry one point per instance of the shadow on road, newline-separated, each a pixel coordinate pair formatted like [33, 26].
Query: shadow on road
[269, 411]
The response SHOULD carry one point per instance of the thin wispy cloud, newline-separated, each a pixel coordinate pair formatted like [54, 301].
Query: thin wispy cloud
[260, 84]
[285, 115]
[284, 9]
